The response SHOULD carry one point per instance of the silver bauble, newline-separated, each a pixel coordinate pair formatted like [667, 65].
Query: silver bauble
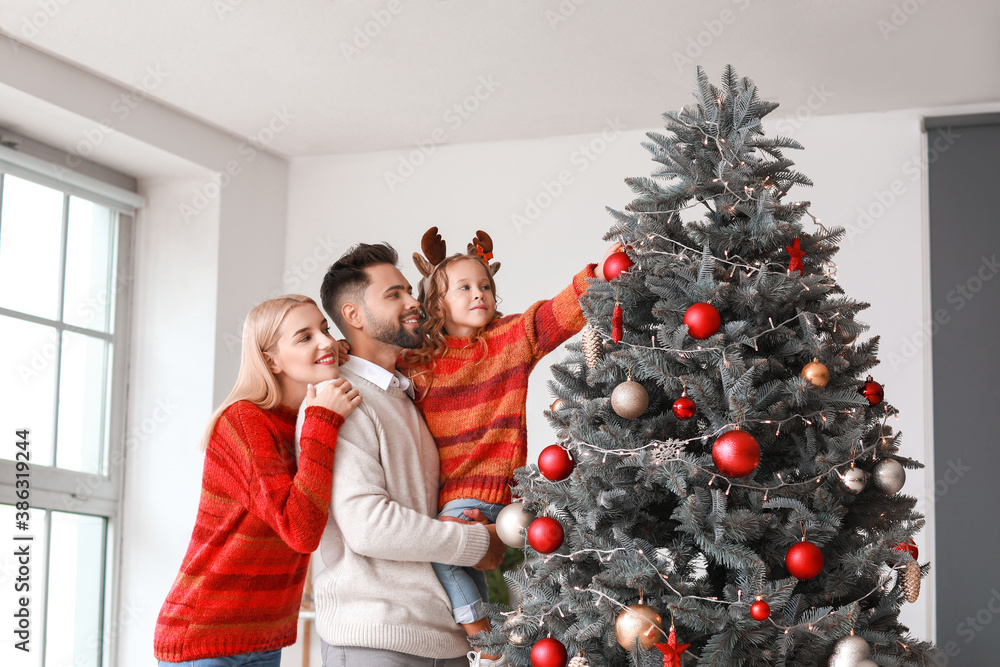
[889, 476]
[866, 663]
[519, 629]
[850, 651]
[854, 479]
[512, 523]
[629, 399]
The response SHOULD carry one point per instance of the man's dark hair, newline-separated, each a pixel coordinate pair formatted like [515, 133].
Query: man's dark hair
[347, 279]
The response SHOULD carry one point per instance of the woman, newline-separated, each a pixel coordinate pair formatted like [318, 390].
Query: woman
[235, 601]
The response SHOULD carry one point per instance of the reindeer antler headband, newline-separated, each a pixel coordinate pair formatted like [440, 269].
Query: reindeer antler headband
[435, 251]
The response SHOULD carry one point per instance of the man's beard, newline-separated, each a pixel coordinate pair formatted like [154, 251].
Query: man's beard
[394, 333]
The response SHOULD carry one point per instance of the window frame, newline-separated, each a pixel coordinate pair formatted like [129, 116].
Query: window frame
[61, 490]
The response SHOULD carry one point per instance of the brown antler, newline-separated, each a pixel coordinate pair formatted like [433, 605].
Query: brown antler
[435, 250]
[482, 245]
[433, 246]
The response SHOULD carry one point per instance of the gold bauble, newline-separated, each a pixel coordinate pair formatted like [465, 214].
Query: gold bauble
[816, 373]
[557, 405]
[629, 399]
[638, 622]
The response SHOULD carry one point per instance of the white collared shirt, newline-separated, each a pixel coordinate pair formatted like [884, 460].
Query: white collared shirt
[363, 368]
[377, 375]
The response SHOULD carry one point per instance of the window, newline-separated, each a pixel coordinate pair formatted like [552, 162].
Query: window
[64, 282]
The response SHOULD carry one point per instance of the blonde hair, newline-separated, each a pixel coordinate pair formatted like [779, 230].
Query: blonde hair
[432, 292]
[255, 382]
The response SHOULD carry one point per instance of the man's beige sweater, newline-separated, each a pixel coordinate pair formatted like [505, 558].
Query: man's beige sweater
[375, 587]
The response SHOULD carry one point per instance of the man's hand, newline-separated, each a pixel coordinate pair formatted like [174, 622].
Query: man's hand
[472, 516]
[494, 555]
[476, 516]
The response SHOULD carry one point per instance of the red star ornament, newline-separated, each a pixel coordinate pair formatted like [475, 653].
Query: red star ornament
[796, 253]
[672, 650]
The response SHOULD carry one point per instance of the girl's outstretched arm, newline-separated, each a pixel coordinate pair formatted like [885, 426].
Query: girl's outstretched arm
[549, 324]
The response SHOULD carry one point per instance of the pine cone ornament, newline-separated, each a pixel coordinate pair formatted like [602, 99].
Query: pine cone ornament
[911, 581]
[579, 661]
[591, 347]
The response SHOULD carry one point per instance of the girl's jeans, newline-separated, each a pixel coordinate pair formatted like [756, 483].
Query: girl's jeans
[260, 659]
[465, 586]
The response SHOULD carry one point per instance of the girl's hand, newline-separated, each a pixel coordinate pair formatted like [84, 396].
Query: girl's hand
[343, 352]
[338, 396]
[599, 271]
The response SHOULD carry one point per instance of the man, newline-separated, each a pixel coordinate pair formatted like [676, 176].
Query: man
[378, 602]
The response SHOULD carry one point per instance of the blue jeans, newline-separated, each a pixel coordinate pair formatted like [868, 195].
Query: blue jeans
[465, 586]
[261, 659]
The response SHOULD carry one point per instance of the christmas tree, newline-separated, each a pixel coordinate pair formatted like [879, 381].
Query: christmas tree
[727, 476]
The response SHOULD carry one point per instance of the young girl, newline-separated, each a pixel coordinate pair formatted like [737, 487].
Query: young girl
[236, 599]
[471, 381]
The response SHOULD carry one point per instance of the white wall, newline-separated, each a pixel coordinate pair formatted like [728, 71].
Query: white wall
[209, 245]
[857, 162]
[871, 163]
[174, 273]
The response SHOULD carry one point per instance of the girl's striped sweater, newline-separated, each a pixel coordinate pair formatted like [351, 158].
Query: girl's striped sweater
[474, 402]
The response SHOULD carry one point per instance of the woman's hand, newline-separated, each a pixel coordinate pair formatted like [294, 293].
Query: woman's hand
[343, 351]
[338, 396]
[599, 271]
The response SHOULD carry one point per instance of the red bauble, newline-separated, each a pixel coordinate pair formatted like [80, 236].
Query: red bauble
[555, 463]
[804, 560]
[760, 610]
[909, 546]
[736, 453]
[684, 408]
[545, 535]
[702, 320]
[548, 652]
[872, 390]
[616, 264]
